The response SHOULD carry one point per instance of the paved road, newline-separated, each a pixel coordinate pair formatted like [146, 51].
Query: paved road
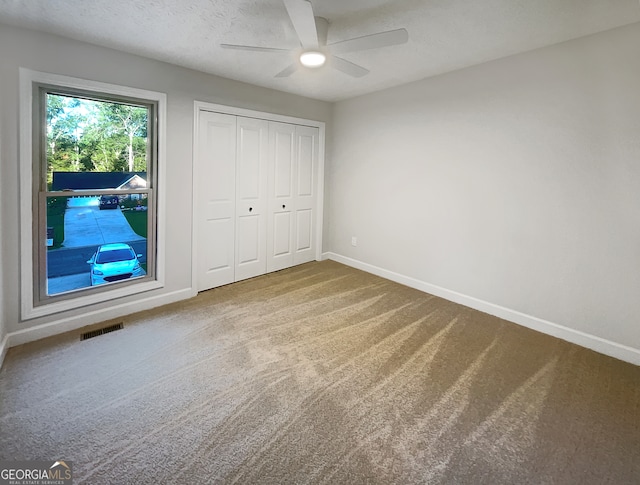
[71, 261]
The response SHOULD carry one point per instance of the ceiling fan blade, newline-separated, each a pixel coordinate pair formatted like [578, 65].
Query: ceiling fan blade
[301, 14]
[348, 67]
[373, 41]
[252, 48]
[288, 71]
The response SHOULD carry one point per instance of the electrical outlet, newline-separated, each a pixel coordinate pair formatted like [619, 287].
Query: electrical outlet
[354, 241]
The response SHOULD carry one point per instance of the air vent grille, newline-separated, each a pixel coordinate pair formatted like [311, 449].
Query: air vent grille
[101, 331]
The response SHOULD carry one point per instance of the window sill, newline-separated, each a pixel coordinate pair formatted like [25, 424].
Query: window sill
[31, 311]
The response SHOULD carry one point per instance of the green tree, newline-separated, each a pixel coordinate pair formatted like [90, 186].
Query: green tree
[65, 122]
[130, 121]
[95, 136]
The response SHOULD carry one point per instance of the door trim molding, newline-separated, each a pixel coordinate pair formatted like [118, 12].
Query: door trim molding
[199, 106]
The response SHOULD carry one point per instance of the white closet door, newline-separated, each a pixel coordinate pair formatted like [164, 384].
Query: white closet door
[216, 161]
[306, 186]
[281, 222]
[251, 197]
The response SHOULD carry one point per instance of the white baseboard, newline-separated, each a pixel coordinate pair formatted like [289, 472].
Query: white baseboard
[603, 346]
[4, 347]
[73, 323]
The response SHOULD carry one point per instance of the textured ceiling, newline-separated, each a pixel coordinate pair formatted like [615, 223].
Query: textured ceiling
[444, 35]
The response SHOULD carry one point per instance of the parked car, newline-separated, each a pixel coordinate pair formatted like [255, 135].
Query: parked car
[109, 202]
[114, 262]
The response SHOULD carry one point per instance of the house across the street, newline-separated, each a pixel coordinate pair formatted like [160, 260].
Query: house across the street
[98, 180]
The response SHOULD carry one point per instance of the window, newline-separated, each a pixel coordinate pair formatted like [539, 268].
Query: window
[93, 145]
[91, 153]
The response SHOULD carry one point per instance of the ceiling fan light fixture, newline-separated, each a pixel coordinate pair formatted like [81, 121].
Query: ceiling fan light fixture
[312, 59]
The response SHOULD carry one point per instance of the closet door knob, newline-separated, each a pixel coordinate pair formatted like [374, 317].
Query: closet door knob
[283, 206]
[250, 209]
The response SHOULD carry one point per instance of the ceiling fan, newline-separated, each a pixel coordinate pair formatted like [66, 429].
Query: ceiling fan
[312, 32]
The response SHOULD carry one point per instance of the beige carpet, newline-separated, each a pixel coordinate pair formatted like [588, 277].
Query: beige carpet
[322, 374]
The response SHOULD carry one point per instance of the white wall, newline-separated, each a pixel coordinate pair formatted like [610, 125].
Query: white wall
[43, 52]
[515, 183]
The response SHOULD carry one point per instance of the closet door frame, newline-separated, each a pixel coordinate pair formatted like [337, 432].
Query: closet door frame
[231, 110]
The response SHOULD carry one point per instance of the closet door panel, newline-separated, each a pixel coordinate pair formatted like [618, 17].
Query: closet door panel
[305, 193]
[282, 166]
[306, 164]
[217, 258]
[216, 162]
[251, 200]
[304, 225]
[281, 237]
[249, 240]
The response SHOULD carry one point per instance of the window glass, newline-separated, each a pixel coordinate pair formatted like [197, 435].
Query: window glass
[98, 159]
[86, 137]
[78, 226]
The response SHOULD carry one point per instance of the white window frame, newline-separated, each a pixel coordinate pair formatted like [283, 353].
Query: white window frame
[28, 256]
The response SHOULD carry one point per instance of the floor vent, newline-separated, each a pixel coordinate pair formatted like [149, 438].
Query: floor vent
[101, 331]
